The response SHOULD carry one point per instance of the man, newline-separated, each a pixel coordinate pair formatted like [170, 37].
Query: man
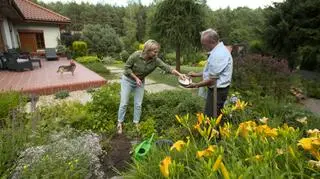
[219, 65]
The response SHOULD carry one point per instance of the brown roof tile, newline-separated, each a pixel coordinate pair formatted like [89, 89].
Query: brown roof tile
[35, 12]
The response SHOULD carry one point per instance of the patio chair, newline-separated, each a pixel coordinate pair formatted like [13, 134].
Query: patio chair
[15, 63]
[51, 54]
[16, 54]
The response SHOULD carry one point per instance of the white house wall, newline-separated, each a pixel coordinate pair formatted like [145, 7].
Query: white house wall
[51, 33]
[8, 34]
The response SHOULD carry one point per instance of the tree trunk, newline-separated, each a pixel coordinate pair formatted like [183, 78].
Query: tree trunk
[178, 57]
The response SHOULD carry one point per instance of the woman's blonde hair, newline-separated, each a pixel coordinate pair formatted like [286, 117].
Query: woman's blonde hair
[150, 44]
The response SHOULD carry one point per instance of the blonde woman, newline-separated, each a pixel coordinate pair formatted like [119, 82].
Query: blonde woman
[139, 65]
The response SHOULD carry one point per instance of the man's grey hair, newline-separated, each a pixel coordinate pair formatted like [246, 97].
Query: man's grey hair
[150, 44]
[211, 34]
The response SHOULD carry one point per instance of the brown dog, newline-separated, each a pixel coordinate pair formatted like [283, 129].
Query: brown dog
[66, 68]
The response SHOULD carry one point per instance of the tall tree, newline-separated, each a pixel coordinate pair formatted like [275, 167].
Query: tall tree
[177, 23]
[293, 32]
[102, 39]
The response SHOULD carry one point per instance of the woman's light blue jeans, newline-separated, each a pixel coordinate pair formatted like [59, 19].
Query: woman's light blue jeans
[127, 86]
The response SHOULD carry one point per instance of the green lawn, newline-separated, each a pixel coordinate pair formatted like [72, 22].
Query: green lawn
[160, 77]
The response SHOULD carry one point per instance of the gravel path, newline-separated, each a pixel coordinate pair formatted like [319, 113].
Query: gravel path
[313, 105]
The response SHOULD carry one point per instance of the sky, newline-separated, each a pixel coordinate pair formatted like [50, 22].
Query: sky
[213, 4]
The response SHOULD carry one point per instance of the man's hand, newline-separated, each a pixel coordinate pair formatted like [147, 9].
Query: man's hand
[191, 74]
[192, 85]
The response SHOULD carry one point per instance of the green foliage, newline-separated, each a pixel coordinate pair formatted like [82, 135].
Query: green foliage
[170, 58]
[134, 25]
[102, 39]
[124, 55]
[262, 76]
[312, 88]
[292, 31]
[61, 49]
[147, 128]
[245, 150]
[108, 60]
[62, 94]
[240, 25]
[13, 137]
[194, 58]
[256, 46]
[52, 166]
[164, 106]
[8, 102]
[104, 109]
[79, 49]
[177, 24]
[90, 90]
[99, 68]
[87, 59]
[54, 118]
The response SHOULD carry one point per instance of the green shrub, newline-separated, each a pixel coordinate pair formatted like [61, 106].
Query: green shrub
[87, 59]
[55, 118]
[262, 75]
[102, 39]
[312, 88]
[163, 107]
[61, 49]
[170, 58]
[13, 135]
[103, 109]
[79, 48]
[62, 94]
[108, 60]
[124, 55]
[194, 58]
[9, 101]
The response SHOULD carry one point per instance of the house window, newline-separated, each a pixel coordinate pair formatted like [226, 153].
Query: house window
[40, 41]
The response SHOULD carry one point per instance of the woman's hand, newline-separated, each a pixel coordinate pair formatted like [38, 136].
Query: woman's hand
[183, 76]
[139, 82]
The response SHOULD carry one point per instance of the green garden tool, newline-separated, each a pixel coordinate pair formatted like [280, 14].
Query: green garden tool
[143, 148]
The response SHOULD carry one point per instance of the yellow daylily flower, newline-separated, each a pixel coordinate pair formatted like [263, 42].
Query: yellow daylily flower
[240, 105]
[246, 127]
[302, 120]
[306, 143]
[291, 151]
[207, 152]
[267, 131]
[216, 164]
[164, 166]
[264, 120]
[200, 117]
[313, 133]
[219, 119]
[314, 164]
[255, 158]
[224, 171]
[279, 151]
[178, 145]
[225, 131]
[178, 119]
[316, 154]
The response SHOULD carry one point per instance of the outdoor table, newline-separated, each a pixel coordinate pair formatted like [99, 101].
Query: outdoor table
[36, 60]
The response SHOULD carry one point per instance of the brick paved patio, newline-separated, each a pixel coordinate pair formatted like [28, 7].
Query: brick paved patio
[46, 80]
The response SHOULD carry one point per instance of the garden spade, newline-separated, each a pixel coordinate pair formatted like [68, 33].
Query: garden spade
[143, 148]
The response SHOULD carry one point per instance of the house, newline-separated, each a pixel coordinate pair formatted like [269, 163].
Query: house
[29, 26]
